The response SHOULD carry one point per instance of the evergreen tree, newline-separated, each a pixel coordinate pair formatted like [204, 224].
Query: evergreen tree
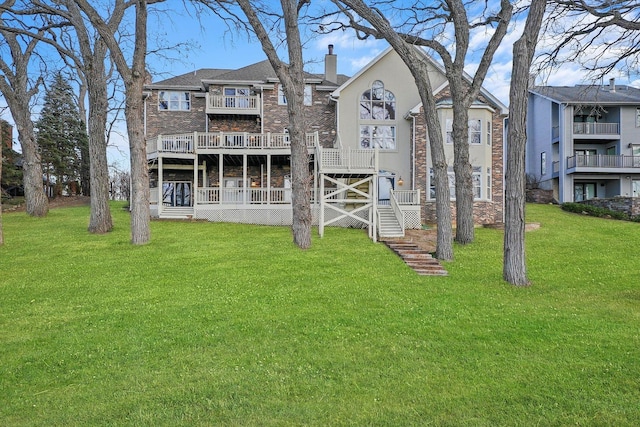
[62, 138]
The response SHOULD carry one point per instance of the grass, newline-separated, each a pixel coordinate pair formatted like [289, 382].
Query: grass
[221, 324]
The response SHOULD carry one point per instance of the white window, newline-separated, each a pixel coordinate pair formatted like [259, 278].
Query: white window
[377, 103]
[488, 132]
[476, 179]
[308, 95]
[543, 163]
[382, 137]
[488, 184]
[475, 131]
[237, 97]
[174, 101]
[449, 130]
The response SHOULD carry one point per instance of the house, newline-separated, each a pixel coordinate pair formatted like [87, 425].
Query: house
[218, 147]
[583, 142]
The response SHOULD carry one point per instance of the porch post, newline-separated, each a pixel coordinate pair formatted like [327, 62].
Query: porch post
[220, 177]
[194, 189]
[269, 178]
[244, 179]
[322, 202]
[160, 183]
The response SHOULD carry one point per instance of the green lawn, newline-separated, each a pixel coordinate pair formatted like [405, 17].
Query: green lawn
[219, 324]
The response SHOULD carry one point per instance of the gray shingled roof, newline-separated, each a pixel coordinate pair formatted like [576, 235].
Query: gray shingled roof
[589, 94]
[258, 72]
[193, 78]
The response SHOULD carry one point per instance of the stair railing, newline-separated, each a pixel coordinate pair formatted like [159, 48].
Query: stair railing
[399, 213]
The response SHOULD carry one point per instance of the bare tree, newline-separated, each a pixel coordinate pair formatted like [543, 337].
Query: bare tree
[18, 91]
[514, 267]
[291, 77]
[416, 63]
[133, 76]
[417, 23]
[601, 35]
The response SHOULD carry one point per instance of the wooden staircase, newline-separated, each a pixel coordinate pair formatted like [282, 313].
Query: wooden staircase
[418, 259]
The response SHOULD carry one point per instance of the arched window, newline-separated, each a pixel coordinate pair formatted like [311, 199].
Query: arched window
[377, 103]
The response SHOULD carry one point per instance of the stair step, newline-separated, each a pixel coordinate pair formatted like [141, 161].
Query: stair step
[419, 260]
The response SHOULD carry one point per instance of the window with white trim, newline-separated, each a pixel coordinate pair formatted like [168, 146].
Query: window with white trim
[489, 132]
[377, 103]
[476, 179]
[375, 136]
[449, 130]
[308, 95]
[475, 131]
[638, 117]
[236, 97]
[543, 163]
[174, 101]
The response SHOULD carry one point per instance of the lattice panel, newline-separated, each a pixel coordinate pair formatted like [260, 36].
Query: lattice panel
[252, 216]
[412, 220]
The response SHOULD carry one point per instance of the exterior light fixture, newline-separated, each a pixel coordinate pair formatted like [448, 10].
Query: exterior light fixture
[400, 181]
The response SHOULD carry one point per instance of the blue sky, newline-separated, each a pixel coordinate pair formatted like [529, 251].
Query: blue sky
[208, 43]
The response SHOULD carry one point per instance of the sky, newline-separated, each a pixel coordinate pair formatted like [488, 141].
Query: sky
[206, 42]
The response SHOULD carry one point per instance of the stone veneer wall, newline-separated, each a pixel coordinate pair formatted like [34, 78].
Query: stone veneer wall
[628, 205]
[484, 212]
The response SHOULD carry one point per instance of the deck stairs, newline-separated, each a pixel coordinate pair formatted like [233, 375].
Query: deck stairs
[388, 225]
[418, 259]
[177, 212]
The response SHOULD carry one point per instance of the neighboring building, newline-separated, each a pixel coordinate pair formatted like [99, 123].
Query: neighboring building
[218, 147]
[583, 142]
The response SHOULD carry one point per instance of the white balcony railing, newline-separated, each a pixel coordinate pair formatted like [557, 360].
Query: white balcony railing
[348, 159]
[192, 142]
[245, 196]
[233, 104]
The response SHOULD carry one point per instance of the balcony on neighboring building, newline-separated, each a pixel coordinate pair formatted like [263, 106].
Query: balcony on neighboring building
[595, 130]
[233, 104]
[603, 163]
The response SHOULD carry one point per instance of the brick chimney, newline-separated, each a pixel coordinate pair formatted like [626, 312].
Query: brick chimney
[331, 66]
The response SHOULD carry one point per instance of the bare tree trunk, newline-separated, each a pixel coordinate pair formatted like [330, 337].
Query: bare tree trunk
[36, 201]
[134, 113]
[100, 220]
[14, 86]
[133, 76]
[1, 232]
[465, 232]
[514, 269]
[291, 77]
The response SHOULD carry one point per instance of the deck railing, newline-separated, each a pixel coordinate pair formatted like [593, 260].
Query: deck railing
[587, 128]
[233, 104]
[191, 142]
[407, 197]
[255, 196]
[603, 161]
[348, 159]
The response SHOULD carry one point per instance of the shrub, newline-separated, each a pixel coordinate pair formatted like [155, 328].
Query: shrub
[594, 211]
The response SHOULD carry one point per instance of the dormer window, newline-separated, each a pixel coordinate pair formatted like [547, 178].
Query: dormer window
[174, 101]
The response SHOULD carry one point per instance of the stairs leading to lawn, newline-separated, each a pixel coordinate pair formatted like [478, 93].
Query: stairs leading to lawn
[418, 259]
[388, 225]
[177, 212]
